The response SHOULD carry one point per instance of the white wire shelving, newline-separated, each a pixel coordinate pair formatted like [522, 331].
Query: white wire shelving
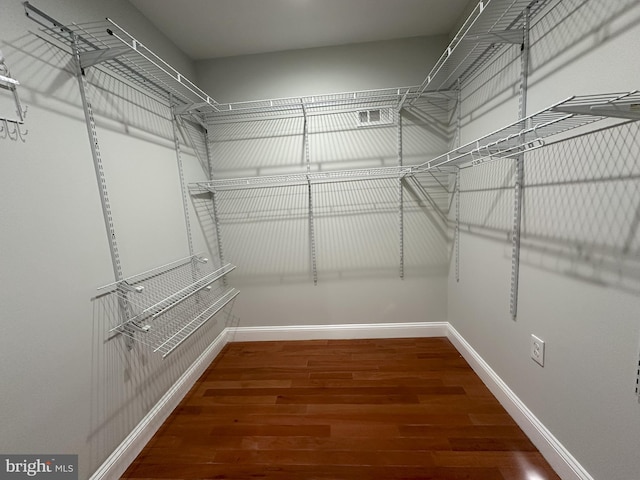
[310, 105]
[507, 142]
[10, 84]
[166, 305]
[490, 24]
[106, 45]
[533, 131]
[109, 46]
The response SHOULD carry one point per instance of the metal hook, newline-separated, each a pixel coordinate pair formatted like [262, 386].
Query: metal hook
[12, 135]
[4, 129]
[22, 134]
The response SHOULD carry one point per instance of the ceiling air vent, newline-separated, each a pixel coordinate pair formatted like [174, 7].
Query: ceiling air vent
[378, 116]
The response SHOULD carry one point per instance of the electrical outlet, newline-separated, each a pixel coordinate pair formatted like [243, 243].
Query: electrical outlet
[537, 350]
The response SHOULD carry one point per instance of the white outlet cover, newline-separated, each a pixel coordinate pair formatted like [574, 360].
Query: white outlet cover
[537, 350]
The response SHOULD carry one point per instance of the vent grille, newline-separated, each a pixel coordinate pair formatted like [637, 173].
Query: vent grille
[378, 116]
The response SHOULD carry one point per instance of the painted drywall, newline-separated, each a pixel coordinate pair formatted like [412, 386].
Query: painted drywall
[579, 286]
[315, 71]
[265, 232]
[67, 388]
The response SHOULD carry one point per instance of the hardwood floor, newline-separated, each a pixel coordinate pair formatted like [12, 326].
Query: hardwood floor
[340, 409]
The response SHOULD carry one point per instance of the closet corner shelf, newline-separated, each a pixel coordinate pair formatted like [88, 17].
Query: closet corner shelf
[166, 305]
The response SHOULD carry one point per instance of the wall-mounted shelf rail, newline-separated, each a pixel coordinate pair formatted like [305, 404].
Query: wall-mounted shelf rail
[167, 304]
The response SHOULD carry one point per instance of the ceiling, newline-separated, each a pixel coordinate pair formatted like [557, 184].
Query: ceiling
[221, 28]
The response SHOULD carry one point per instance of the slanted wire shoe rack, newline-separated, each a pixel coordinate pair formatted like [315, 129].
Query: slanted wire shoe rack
[164, 306]
[170, 303]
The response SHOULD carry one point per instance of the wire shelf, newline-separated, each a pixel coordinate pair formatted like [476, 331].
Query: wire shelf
[518, 137]
[316, 104]
[267, 181]
[166, 305]
[490, 24]
[107, 45]
[531, 132]
[170, 330]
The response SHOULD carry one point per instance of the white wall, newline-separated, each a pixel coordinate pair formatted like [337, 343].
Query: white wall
[66, 387]
[579, 279]
[265, 232]
[316, 71]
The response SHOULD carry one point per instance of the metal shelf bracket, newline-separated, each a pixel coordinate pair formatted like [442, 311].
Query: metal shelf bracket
[622, 108]
[95, 57]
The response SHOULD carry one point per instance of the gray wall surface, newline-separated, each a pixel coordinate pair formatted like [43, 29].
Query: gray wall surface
[67, 388]
[579, 280]
[314, 71]
[265, 232]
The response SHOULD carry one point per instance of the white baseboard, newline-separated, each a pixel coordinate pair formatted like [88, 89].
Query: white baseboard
[555, 453]
[117, 463]
[335, 332]
[560, 459]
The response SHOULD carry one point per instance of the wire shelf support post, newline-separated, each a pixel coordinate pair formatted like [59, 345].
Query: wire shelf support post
[307, 160]
[123, 304]
[457, 230]
[183, 186]
[400, 192]
[518, 194]
[214, 203]
[456, 189]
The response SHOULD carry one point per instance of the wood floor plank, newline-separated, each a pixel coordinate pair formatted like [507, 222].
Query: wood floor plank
[340, 409]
